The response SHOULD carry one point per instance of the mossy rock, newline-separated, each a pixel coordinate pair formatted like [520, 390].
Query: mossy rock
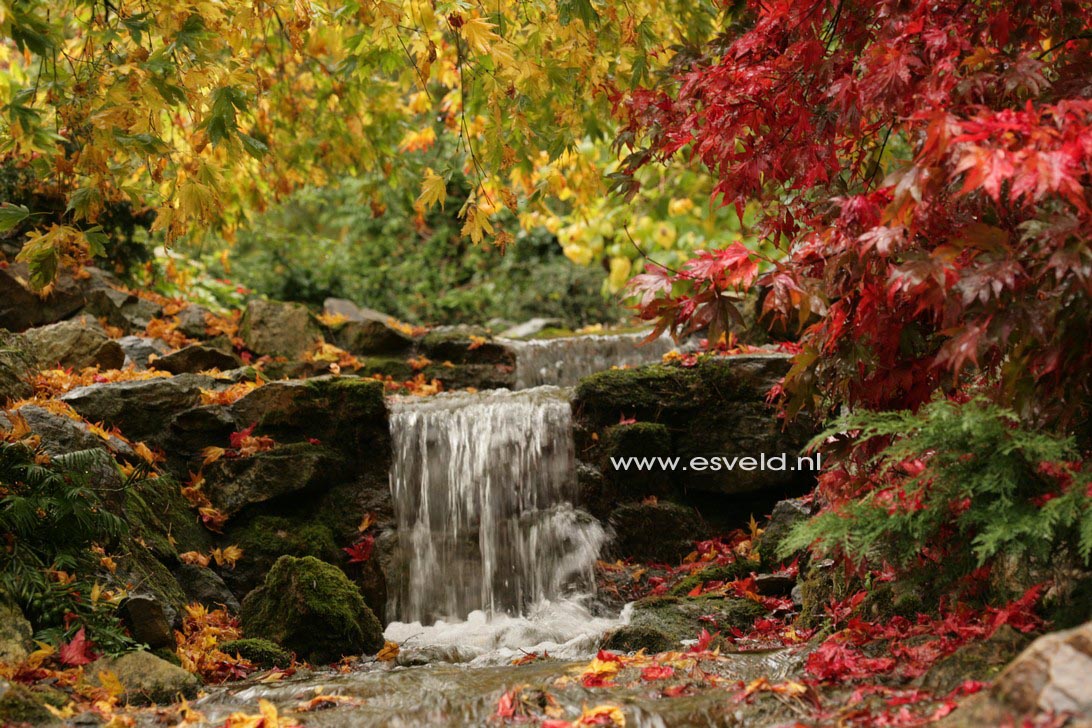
[311, 608]
[263, 653]
[820, 584]
[398, 368]
[713, 572]
[264, 539]
[20, 706]
[631, 638]
[1073, 607]
[681, 618]
[145, 677]
[159, 515]
[639, 439]
[660, 532]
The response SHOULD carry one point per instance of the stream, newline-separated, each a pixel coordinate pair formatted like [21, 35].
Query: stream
[494, 561]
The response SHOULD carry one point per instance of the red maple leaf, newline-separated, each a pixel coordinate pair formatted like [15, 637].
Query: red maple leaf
[78, 650]
[361, 551]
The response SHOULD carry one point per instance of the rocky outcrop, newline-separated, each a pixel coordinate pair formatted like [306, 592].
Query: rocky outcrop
[312, 609]
[714, 411]
[366, 332]
[233, 484]
[140, 349]
[127, 311]
[659, 532]
[142, 409]
[145, 677]
[271, 328]
[75, 344]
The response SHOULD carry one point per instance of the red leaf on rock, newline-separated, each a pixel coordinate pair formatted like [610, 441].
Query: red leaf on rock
[78, 650]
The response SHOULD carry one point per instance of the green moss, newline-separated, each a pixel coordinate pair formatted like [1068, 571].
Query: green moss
[20, 706]
[639, 439]
[631, 638]
[311, 608]
[681, 618]
[157, 513]
[270, 537]
[168, 655]
[391, 366]
[263, 653]
[642, 389]
[713, 572]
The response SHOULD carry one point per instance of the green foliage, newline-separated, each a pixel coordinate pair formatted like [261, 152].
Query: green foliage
[950, 476]
[329, 242]
[53, 517]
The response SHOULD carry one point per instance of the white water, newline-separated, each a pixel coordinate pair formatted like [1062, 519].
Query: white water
[564, 361]
[492, 555]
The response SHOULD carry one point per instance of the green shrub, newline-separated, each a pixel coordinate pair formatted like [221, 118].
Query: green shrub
[326, 242]
[956, 484]
[53, 517]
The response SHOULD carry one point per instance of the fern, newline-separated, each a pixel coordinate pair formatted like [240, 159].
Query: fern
[988, 484]
[53, 517]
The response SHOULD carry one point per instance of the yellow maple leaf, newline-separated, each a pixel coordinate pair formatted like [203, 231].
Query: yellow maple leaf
[388, 653]
[479, 34]
[477, 225]
[227, 555]
[433, 190]
[194, 557]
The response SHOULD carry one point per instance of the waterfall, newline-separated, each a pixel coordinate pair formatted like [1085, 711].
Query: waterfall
[483, 486]
[564, 361]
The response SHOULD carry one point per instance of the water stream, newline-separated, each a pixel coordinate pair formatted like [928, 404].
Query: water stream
[564, 361]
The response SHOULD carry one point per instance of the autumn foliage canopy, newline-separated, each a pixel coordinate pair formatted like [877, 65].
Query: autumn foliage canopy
[926, 168]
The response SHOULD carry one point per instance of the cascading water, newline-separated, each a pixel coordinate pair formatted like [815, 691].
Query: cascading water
[564, 361]
[483, 486]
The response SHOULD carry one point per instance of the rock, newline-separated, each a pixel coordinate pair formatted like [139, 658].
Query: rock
[263, 653]
[713, 573]
[15, 632]
[127, 311]
[196, 358]
[148, 621]
[77, 343]
[774, 585]
[142, 409]
[192, 323]
[530, 328]
[62, 435]
[139, 349]
[204, 586]
[785, 515]
[631, 638]
[660, 532]
[278, 329]
[145, 677]
[15, 368]
[641, 439]
[311, 608]
[21, 308]
[20, 706]
[264, 539]
[715, 409]
[235, 483]
[1051, 675]
[979, 660]
[370, 338]
[456, 346]
[683, 618]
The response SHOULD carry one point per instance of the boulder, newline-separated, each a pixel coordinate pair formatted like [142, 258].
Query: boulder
[148, 621]
[19, 705]
[22, 308]
[311, 608]
[278, 329]
[1051, 675]
[204, 586]
[366, 331]
[683, 618]
[235, 483]
[118, 308]
[715, 409]
[142, 409]
[77, 343]
[785, 515]
[15, 632]
[15, 368]
[196, 358]
[263, 653]
[660, 532]
[265, 538]
[191, 321]
[631, 638]
[61, 435]
[139, 349]
[145, 677]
